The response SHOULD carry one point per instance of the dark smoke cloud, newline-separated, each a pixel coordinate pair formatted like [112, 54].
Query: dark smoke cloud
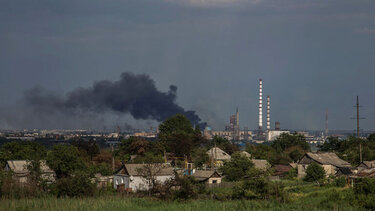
[134, 94]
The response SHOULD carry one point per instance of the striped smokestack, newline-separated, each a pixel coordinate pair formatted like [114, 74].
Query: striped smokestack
[260, 105]
[268, 114]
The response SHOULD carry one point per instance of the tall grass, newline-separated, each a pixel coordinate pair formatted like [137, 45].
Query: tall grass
[305, 196]
[128, 203]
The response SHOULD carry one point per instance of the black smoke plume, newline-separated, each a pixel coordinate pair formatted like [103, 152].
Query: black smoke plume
[135, 94]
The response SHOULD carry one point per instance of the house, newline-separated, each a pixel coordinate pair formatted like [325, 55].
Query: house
[365, 173]
[21, 173]
[217, 156]
[207, 176]
[102, 181]
[280, 170]
[345, 171]
[328, 160]
[365, 169]
[246, 154]
[137, 177]
[366, 165]
[261, 164]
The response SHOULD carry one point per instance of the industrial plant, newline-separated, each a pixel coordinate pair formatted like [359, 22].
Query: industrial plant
[233, 131]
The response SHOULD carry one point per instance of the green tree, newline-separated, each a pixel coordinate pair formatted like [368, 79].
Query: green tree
[371, 137]
[330, 145]
[295, 155]
[200, 157]
[64, 160]
[104, 169]
[177, 124]
[224, 144]
[77, 185]
[178, 135]
[314, 172]
[237, 167]
[285, 141]
[91, 148]
[261, 151]
[22, 150]
[149, 157]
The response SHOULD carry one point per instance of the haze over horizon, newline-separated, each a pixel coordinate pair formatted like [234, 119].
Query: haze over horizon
[313, 56]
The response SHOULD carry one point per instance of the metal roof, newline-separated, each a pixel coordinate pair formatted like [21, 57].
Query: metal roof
[204, 174]
[261, 164]
[158, 169]
[218, 154]
[328, 158]
[21, 166]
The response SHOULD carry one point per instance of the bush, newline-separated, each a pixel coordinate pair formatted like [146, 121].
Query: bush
[364, 191]
[340, 181]
[189, 188]
[221, 194]
[291, 174]
[260, 189]
[365, 186]
[314, 172]
[78, 185]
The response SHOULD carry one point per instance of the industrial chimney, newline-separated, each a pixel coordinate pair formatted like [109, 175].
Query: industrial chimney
[268, 114]
[277, 125]
[260, 105]
[237, 124]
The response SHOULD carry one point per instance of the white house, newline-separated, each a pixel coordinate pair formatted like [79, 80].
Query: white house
[21, 173]
[138, 177]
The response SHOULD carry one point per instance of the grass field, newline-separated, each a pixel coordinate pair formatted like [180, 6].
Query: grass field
[119, 203]
[302, 197]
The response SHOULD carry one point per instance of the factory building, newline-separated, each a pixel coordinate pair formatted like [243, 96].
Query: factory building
[273, 134]
[244, 135]
[232, 131]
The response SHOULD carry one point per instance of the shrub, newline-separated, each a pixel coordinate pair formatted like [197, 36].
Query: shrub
[365, 186]
[291, 174]
[260, 189]
[78, 185]
[314, 172]
[340, 181]
[364, 191]
[189, 188]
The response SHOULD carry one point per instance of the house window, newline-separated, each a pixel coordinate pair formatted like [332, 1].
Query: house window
[214, 181]
[116, 182]
[122, 180]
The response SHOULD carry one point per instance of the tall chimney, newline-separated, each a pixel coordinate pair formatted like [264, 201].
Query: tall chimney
[237, 124]
[260, 105]
[268, 114]
[277, 125]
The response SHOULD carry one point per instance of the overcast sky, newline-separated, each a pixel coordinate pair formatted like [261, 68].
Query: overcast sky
[312, 55]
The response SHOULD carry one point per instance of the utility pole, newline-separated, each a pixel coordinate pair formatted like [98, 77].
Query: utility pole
[357, 106]
[113, 158]
[326, 131]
